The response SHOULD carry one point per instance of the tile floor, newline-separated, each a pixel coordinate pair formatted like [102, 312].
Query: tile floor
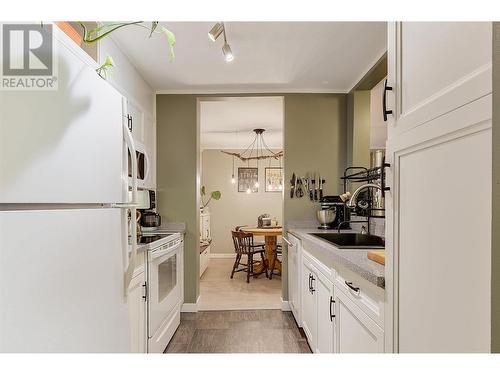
[250, 331]
[219, 292]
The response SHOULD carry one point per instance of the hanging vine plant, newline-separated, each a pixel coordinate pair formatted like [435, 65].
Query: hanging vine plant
[93, 35]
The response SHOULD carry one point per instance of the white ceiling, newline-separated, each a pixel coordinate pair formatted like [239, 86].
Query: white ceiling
[227, 123]
[269, 56]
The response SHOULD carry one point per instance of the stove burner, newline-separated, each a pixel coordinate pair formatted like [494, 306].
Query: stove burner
[148, 239]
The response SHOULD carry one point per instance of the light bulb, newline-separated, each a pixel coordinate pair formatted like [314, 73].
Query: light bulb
[228, 54]
[249, 191]
[281, 187]
[256, 185]
[233, 181]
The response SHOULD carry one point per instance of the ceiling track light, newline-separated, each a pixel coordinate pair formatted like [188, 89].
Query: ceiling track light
[214, 33]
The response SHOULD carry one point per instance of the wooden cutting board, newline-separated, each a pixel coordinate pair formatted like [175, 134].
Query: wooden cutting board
[377, 256]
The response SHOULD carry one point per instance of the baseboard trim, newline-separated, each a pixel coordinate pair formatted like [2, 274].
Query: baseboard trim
[190, 307]
[221, 256]
[285, 306]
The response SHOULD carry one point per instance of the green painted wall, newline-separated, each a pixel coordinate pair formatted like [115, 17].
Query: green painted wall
[177, 185]
[315, 140]
[495, 248]
[361, 129]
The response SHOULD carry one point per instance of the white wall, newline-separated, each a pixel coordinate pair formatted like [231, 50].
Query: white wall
[234, 208]
[125, 77]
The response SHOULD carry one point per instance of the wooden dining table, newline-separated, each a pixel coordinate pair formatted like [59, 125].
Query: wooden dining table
[270, 235]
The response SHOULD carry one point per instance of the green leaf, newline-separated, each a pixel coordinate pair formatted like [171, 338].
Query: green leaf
[216, 195]
[202, 190]
[109, 62]
[170, 40]
[154, 25]
[87, 34]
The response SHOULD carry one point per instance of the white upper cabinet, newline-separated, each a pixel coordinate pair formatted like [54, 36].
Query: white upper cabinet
[136, 122]
[436, 67]
[150, 144]
[438, 241]
[378, 127]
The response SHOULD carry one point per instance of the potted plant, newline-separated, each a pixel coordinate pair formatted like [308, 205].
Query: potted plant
[213, 195]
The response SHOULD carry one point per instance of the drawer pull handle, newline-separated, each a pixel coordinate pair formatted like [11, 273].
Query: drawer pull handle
[312, 286]
[349, 284]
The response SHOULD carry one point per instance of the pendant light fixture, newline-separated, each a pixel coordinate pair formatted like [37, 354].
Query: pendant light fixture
[214, 33]
[233, 181]
[257, 150]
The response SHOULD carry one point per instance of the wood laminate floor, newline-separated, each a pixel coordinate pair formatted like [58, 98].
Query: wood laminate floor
[250, 331]
[219, 292]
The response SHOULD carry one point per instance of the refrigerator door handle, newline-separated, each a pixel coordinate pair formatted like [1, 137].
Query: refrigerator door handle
[132, 206]
[124, 205]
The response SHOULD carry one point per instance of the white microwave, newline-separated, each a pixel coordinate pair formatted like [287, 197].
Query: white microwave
[143, 165]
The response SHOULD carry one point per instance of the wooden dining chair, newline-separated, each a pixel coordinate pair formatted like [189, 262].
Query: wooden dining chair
[277, 251]
[243, 245]
[239, 228]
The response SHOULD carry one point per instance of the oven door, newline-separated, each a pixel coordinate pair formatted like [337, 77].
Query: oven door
[164, 283]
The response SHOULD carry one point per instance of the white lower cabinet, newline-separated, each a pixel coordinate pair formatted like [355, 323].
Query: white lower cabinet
[137, 313]
[204, 259]
[355, 331]
[294, 278]
[325, 342]
[336, 320]
[309, 301]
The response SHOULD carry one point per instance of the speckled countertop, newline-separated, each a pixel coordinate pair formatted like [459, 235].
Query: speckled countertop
[355, 260]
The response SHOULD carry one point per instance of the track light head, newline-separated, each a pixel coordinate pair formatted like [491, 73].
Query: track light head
[215, 31]
[228, 54]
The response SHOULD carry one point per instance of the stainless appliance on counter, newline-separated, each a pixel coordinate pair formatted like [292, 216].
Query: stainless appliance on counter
[150, 220]
[333, 213]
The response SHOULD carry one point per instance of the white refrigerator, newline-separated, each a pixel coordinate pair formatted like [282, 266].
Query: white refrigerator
[64, 252]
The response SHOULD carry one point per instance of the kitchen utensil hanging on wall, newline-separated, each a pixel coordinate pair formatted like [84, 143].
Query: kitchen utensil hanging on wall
[299, 189]
[321, 182]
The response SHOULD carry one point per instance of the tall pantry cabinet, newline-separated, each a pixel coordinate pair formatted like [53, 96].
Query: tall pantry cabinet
[438, 245]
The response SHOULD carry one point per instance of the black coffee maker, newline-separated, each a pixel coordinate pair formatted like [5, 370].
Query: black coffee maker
[333, 202]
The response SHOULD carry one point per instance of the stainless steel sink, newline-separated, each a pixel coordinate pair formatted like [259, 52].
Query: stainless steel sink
[352, 240]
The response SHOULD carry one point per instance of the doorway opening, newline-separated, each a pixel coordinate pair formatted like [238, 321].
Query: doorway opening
[242, 201]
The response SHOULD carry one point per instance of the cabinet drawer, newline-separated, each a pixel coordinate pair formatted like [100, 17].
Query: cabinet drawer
[329, 273]
[368, 297]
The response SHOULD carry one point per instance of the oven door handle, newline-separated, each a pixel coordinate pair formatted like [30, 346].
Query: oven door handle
[159, 253]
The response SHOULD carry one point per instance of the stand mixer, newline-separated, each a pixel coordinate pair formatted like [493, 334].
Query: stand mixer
[332, 213]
